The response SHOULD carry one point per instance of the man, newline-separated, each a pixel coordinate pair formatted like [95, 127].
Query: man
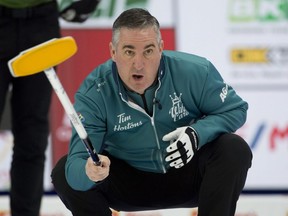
[163, 123]
[24, 24]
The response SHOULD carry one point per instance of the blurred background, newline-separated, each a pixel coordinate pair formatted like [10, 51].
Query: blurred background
[247, 41]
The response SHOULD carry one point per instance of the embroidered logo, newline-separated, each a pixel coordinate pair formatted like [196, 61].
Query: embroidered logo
[125, 123]
[224, 93]
[177, 111]
[99, 85]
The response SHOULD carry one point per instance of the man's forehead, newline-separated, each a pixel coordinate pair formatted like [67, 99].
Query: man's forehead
[137, 34]
[138, 39]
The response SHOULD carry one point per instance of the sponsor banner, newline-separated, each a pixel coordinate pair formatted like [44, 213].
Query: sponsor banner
[108, 10]
[246, 40]
[266, 131]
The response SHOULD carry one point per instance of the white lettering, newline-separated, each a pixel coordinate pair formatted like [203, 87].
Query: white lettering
[224, 93]
[122, 118]
[128, 126]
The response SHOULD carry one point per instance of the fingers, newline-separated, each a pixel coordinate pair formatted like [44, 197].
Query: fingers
[176, 150]
[175, 146]
[177, 163]
[180, 156]
[97, 173]
[105, 162]
[173, 156]
[171, 136]
[172, 147]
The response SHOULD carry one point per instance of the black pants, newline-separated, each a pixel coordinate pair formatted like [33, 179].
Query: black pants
[212, 180]
[30, 102]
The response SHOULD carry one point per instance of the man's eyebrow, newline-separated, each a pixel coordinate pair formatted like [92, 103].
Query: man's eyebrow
[132, 47]
[128, 47]
[149, 45]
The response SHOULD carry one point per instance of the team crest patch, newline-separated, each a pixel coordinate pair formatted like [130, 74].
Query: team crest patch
[177, 111]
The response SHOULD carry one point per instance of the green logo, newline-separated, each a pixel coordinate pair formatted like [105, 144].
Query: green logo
[258, 10]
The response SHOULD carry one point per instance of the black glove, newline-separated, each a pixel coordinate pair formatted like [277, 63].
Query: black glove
[183, 145]
[79, 11]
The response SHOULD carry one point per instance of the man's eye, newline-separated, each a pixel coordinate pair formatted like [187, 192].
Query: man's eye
[129, 52]
[148, 52]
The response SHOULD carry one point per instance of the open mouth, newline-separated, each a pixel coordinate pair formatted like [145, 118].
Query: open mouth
[137, 77]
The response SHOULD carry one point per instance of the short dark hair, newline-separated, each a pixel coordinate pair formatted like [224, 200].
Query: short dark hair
[134, 18]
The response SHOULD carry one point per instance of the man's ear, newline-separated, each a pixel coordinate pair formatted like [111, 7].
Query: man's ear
[112, 51]
[161, 46]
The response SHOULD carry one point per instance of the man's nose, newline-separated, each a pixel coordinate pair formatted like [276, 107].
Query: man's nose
[138, 62]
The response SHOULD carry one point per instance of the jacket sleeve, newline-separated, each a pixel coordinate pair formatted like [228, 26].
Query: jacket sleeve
[223, 110]
[92, 119]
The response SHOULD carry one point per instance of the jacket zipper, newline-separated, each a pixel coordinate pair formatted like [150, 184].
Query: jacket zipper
[152, 121]
[140, 109]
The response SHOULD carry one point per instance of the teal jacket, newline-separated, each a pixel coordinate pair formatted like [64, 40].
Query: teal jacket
[189, 91]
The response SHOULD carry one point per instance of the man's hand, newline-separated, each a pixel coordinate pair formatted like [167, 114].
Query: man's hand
[97, 173]
[183, 145]
[79, 11]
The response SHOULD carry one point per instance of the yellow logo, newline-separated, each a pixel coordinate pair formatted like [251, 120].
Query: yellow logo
[250, 55]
